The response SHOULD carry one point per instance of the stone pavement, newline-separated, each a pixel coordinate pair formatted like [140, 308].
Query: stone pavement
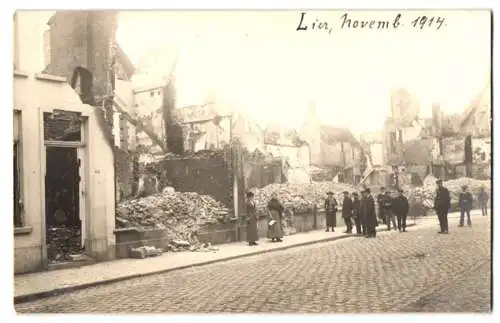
[44, 284]
[397, 272]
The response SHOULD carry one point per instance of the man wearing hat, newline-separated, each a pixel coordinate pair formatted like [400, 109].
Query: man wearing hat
[369, 214]
[442, 203]
[400, 208]
[331, 211]
[347, 212]
[465, 203]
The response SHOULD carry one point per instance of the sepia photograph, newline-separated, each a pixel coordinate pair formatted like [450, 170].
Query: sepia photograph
[333, 161]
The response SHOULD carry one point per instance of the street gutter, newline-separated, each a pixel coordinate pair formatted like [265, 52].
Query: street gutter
[63, 290]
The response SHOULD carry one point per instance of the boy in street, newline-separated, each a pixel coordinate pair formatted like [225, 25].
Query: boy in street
[465, 203]
[482, 199]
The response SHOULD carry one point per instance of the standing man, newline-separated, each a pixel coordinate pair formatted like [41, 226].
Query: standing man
[362, 202]
[356, 214]
[401, 207]
[369, 214]
[381, 202]
[387, 207]
[465, 203]
[347, 212]
[482, 198]
[331, 211]
[442, 203]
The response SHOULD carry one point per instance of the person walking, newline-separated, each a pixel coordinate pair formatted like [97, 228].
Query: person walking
[369, 214]
[331, 211]
[252, 233]
[387, 207]
[465, 204]
[482, 199]
[275, 220]
[442, 203]
[401, 207]
[347, 212]
[356, 214]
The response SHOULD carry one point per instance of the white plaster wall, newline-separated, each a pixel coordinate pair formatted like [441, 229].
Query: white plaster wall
[32, 97]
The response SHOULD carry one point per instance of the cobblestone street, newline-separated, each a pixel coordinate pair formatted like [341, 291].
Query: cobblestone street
[417, 271]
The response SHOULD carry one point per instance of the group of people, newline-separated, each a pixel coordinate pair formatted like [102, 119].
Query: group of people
[442, 204]
[275, 220]
[360, 212]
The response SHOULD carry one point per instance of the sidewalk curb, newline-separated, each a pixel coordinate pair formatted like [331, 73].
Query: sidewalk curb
[62, 290]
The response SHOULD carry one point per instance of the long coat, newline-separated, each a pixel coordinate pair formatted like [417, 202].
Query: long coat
[331, 212]
[369, 212]
[347, 207]
[442, 201]
[276, 210]
[252, 233]
[356, 205]
[400, 206]
[465, 201]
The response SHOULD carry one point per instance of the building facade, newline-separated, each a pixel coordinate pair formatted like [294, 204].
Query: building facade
[64, 188]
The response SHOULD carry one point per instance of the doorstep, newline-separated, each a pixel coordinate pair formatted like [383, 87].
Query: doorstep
[28, 287]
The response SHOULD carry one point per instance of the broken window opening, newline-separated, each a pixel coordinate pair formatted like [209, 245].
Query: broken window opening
[62, 126]
[81, 82]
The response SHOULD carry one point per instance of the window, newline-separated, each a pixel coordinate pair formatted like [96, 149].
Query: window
[18, 219]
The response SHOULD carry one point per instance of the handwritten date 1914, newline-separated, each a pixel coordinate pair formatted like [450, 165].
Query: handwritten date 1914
[424, 21]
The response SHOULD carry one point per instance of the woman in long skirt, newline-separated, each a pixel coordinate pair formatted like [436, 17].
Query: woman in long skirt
[275, 228]
[252, 233]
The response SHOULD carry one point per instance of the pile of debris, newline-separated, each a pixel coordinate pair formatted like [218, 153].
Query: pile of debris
[427, 192]
[300, 197]
[65, 241]
[180, 214]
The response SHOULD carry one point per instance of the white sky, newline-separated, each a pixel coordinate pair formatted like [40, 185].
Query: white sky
[257, 60]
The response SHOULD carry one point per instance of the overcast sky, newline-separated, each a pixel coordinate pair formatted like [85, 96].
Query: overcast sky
[259, 61]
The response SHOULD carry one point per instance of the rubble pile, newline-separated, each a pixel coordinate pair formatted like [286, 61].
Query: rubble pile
[180, 214]
[426, 193]
[64, 242]
[300, 197]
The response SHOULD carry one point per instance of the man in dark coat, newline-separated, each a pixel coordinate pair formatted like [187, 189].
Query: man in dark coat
[401, 207]
[465, 203]
[362, 201]
[381, 202]
[369, 214]
[442, 203]
[482, 199]
[356, 214]
[331, 212]
[252, 233]
[347, 212]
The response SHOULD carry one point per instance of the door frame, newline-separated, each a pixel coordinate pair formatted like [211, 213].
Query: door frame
[81, 150]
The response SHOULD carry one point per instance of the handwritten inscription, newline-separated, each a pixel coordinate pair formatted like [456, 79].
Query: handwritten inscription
[346, 21]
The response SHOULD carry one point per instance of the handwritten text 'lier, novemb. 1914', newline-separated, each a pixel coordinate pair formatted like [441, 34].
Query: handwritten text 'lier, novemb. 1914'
[307, 23]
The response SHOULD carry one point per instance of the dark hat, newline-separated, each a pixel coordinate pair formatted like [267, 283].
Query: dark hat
[250, 194]
[439, 181]
[345, 192]
[329, 193]
[355, 193]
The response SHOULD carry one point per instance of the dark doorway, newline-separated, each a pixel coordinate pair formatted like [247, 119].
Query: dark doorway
[62, 207]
